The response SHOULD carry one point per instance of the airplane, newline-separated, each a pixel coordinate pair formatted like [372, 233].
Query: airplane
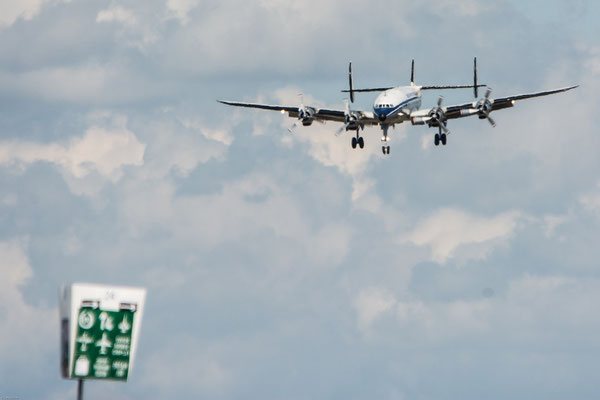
[399, 104]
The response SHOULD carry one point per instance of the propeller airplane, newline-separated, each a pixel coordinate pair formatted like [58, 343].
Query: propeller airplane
[395, 105]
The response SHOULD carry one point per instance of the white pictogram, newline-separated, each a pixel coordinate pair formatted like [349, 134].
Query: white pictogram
[106, 322]
[124, 325]
[84, 340]
[82, 366]
[86, 319]
[104, 343]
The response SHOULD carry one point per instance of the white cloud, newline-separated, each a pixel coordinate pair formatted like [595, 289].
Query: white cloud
[184, 362]
[332, 150]
[591, 202]
[546, 309]
[370, 304]
[448, 230]
[138, 29]
[99, 152]
[24, 326]
[181, 8]
[222, 135]
[117, 14]
[15, 9]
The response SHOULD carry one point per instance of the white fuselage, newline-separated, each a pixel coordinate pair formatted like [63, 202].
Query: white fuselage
[401, 100]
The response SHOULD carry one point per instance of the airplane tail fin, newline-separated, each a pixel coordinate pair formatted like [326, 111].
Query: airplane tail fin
[350, 82]
[475, 77]
[412, 73]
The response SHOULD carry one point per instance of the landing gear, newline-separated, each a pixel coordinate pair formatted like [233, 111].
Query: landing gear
[358, 140]
[439, 137]
[385, 148]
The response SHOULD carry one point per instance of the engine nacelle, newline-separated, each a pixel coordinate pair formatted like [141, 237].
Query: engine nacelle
[484, 108]
[419, 120]
[436, 115]
[306, 115]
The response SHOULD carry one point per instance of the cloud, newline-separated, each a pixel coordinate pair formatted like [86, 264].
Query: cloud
[370, 304]
[99, 152]
[25, 326]
[13, 10]
[180, 8]
[117, 14]
[547, 310]
[448, 230]
[183, 362]
[591, 201]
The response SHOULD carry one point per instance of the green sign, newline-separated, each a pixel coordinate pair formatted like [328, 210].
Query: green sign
[102, 344]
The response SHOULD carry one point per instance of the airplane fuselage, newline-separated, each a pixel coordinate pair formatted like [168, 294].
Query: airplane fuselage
[399, 100]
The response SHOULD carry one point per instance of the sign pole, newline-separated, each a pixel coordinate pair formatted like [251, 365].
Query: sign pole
[80, 389]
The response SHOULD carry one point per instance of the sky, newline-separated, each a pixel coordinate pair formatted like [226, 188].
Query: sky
[286, 265]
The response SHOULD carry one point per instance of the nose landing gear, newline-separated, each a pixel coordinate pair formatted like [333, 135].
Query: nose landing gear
[385, 148]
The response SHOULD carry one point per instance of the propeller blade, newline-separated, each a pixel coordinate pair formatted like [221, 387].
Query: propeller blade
[439, 103]
[487, 93]
[491, 121]
[339, 131]
[291, 128]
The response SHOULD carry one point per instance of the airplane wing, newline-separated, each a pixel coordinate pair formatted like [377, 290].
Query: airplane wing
[467, 109]
[322, 114]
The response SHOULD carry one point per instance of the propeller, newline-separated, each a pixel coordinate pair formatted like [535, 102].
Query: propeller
[350, 119]
[438, 116]
[484, 107]
[306, 115]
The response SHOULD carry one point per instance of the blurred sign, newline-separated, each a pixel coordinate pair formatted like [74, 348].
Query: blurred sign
[100, 326]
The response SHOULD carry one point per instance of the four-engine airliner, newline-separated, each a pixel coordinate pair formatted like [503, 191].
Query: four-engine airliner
[395, 105]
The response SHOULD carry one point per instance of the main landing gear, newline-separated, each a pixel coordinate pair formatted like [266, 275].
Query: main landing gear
[439, 138]
[358, 140]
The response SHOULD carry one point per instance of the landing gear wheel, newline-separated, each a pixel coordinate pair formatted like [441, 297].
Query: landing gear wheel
[361, 142]
[443, 138]
[436, 139]
[354, 142]
[388, 149]
[385, 149]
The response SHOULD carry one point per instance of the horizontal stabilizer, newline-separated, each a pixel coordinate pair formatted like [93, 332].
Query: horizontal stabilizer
[369, 90]
[451, 87]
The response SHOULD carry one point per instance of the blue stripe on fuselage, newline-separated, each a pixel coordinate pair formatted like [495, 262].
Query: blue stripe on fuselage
[388, 111]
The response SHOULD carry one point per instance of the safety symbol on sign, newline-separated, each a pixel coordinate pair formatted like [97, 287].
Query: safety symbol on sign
[86, 319]
[103, 343]
[84, 340]
[124, 325]
[82, 366]
[106, 322]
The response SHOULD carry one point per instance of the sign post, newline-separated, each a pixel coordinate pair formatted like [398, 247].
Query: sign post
[100, 326]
